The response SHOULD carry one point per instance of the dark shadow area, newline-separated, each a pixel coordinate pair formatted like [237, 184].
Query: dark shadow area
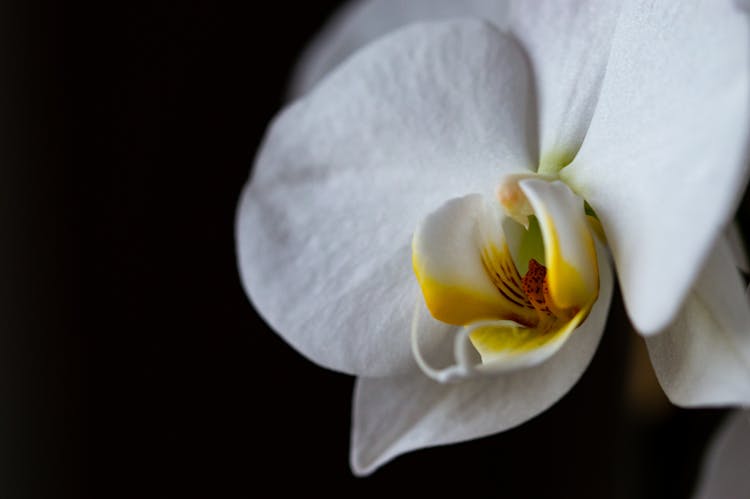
[41, 403]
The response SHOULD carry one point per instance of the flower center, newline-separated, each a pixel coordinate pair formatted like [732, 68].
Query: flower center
[512, 303]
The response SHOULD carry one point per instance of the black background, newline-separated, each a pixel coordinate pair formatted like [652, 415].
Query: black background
[137, 366]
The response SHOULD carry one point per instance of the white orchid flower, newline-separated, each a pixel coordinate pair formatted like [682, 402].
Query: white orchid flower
[436, 214]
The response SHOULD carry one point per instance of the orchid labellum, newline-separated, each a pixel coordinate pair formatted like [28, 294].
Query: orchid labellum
[438, 211]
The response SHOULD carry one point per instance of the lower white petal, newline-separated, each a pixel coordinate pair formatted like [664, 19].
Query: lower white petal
[392, 416]
[725, 468]
[703, 358]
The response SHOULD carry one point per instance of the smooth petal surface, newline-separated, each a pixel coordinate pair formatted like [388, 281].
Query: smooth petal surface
[568, 44]
[703, 359]
[725, 468]
[664, 160]
[360, 22]
[396, 415]
[345, 175]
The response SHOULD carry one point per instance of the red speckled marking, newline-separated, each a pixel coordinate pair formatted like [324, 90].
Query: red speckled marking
[535, 286]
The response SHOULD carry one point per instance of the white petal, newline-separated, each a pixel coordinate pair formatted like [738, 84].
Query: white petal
[396, 415]
[360, 22]
[725, 470]
[664, 161]
[703, 359]
[568, 44]
[345, 175]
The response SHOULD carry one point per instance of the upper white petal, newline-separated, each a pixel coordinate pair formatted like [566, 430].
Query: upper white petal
[703, 359]
[400, 414]
[345, 175]
[360, 22]
[664, 161]
[569, 45]
[567, 42]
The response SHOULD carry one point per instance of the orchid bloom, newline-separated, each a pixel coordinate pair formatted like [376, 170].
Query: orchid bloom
[438, 214]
